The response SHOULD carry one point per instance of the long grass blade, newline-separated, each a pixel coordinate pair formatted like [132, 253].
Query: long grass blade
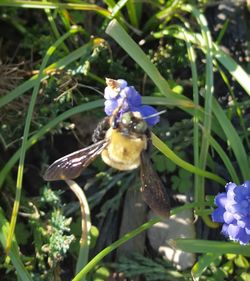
[234, 140]
[56, 5]
[115, 30]
[161, 146]
[206, 246]
[14, 253]
[192, 59]
[201, 265]
[208, 100]
[227, 162]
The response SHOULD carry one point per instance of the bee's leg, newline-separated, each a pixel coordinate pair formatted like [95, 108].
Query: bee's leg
[149, 141]
[101, 129]
[113, 120]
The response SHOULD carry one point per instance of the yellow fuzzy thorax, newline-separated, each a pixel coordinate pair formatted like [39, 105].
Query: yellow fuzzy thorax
[123, 152]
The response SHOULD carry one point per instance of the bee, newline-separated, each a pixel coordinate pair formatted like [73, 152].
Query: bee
[124, 144]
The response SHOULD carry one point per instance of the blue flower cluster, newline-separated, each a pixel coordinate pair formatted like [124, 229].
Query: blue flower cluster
[118, 93]
[234, 212]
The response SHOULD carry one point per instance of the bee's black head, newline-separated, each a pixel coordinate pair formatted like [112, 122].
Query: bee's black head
[132, 123]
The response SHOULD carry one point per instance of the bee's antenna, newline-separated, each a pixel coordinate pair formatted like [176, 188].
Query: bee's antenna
[89, 87]
[155, 114]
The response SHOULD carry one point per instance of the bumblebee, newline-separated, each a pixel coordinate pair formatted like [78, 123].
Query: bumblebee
[123, 144]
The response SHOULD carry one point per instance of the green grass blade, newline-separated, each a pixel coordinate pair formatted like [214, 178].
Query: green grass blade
[192, 59]
[222, 32]
[56, 5]
[234, 140]
[161, 146]
[205, 246]
[110, 3]
[237, 71]
[166, 14]
[115, 30]
[208, 97]
[208, 100]
[134, 12]
[169, 11]
[170, 101]
[14, 255]
[118, 6]
[227, 162]
[202, 264]
[238, 109]
[54, 27]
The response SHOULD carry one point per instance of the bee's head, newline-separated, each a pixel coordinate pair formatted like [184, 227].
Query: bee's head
[132, 122]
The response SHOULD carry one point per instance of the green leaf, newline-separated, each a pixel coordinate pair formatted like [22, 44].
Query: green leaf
[175, 182]
[230, 256]
[245, 276]
[94, 234]
[202, 264]
[228, 267]
[101, 274]
[160, 162]
[241, 261]
[171, 167]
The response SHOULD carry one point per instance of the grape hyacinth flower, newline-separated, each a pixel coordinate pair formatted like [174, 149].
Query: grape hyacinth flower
[118, 92]
[234, 212]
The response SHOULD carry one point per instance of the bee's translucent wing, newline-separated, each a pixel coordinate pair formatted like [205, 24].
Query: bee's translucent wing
[71, 165]
[153, 190]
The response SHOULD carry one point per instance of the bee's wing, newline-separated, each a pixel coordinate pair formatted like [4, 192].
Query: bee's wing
[153, 190]
[71, 165]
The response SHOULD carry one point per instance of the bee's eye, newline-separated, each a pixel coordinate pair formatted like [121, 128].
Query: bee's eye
[126, 118]
[140, 127]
